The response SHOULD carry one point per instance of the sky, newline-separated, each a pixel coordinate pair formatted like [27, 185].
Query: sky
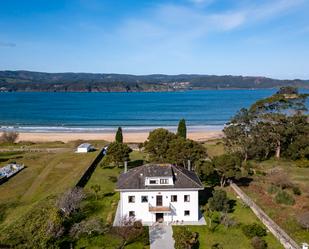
[218, 37]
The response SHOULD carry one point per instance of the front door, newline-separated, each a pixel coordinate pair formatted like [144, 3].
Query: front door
[159, 200]
[159, 217]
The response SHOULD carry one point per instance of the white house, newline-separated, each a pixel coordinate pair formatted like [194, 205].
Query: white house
[156, 193]
[84, 148]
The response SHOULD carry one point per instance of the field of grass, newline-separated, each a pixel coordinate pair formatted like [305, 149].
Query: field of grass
[233, 237]
[214, 147]
[285, 216]
[46, 173]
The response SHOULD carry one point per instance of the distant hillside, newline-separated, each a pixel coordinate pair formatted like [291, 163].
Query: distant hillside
[87, 82]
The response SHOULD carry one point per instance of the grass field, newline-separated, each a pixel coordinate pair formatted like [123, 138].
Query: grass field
[285, 216]
[233, 237]
[46, 173]
[214, 147]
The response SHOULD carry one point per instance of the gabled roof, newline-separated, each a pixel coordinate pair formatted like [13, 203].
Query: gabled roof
[135, 178]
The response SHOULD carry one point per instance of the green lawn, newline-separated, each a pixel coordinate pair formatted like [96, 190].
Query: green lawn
[45, 174]
[214, 147]
[231, 238]
[105, 205]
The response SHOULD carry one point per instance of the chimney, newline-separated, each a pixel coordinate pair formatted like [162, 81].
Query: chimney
[125, 166]
[189, 165]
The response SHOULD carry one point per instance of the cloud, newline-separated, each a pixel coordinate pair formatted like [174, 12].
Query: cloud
[178, 34]
[183, 20]
[7, 44]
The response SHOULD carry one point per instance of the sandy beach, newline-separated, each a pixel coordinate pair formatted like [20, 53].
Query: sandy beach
[129, 137]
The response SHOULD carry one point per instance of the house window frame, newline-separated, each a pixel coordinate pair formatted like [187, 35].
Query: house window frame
[186, 213]
[163, 181]
[153, 181]
[132, 214]
[146, 197]
[174, 198]
[131, 199]
[186, 198]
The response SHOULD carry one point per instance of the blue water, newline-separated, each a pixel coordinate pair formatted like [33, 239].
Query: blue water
[104, 111]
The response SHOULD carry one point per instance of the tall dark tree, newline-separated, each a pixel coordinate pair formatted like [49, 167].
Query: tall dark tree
[119, 136]
[269, 126]
[227, 166]
[182, 129]
[237, 133]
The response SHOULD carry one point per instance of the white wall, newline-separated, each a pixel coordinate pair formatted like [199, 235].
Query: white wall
[83, 150]
[142, 209]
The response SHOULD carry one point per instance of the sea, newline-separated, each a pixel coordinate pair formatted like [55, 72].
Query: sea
[134, 111]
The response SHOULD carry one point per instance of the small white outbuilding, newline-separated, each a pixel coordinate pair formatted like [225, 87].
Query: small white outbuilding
[84, 148]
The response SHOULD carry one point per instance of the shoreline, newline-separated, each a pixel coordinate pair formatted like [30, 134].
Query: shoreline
[129, 137]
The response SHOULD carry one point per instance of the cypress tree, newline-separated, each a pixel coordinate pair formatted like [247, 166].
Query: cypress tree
[182, 129]
[119, 137]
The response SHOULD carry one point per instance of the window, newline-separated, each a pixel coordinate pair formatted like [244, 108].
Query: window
[187, 213]
[187, 198]
[163, 181]
[174, 198]
[131, 199]
[144, 198]
[152, 181]
[131, 214]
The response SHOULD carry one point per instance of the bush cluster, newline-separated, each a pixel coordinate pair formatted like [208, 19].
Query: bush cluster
[283, 197]
[254, 230]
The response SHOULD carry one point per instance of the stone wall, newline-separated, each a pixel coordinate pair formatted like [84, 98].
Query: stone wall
[281, 235]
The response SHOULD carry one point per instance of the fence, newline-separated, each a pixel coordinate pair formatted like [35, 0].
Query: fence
[281, 235]
[87, 174]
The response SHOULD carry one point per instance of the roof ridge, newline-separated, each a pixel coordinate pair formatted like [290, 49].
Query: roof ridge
[176, 167]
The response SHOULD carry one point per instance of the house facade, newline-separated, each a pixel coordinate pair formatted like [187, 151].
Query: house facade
[159, 193]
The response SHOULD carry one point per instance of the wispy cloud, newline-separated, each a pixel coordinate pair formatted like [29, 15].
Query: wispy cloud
[190, 21]
[7, 44]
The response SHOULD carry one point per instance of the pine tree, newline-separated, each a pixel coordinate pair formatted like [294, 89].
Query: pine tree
[119, 137]
[182, 129]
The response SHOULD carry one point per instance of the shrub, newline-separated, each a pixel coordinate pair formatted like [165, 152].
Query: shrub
[228, 221]
[272, 189]
[254, 230]
[280, 178]
[216, 246]
[185, 239]
[112, 178]
[283, 197]
[9, 137]
[296, 190]
[258, 243]
[219, 201]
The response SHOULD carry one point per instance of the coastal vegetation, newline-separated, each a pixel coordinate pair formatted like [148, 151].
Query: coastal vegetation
[164, 146]
[87, 82]
[264, 152]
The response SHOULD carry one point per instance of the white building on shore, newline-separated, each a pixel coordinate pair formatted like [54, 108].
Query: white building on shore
[159, 193]
[84, 148]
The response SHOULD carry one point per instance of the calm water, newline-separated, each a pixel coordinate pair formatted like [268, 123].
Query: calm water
[97, 111]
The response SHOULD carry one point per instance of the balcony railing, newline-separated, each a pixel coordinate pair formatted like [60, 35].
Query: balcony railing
[161, 209]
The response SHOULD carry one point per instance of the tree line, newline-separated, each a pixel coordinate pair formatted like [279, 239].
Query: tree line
[274, 126]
